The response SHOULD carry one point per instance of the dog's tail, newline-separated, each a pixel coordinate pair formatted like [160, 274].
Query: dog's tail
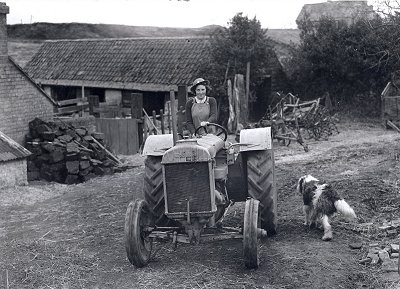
[343, 207]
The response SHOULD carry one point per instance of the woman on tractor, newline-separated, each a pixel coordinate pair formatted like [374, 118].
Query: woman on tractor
[200, 109]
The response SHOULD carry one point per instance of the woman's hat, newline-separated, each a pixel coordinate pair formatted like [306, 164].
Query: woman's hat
[197, 82]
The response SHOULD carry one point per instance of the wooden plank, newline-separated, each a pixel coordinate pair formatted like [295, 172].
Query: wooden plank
[393, 126]
[162, 121]
[386, 90]
[114, 135]
[72, 101]
[123, 141]
[133, 137]
[173, 113]
[74, 108]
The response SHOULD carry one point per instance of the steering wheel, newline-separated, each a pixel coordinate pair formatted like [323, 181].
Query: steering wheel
[218, 131]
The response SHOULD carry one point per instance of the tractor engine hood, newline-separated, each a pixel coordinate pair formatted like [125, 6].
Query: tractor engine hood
[194, 150]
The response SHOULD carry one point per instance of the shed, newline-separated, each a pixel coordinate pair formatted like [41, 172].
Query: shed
[13, 162]
[113, 69]
[390, 103]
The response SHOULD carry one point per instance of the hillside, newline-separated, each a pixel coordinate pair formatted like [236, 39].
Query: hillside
[25, 39]
[45, 31]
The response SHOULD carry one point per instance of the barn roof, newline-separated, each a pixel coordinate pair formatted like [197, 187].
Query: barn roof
[338, 10]
[11, 150]
[149, 64]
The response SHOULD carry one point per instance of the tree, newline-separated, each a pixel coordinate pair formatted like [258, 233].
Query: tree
[231, 48]
[344, 60]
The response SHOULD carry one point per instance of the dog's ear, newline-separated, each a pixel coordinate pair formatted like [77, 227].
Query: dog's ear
[300, 185]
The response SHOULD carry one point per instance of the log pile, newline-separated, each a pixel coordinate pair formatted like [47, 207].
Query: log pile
[67, 154]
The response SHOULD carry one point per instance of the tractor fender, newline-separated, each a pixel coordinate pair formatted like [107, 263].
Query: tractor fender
[255, 139]
[157, 145]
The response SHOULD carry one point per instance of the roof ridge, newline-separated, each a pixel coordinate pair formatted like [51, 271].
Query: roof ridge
[128, 38]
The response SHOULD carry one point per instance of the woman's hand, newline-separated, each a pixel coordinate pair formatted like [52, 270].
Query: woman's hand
[204, 123]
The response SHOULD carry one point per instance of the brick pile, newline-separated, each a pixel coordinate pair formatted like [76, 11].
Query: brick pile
[67, 154]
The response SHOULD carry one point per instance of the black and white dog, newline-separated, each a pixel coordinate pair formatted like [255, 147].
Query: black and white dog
[321, 201]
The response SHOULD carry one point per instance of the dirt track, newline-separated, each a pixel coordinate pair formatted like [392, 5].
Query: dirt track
[58, 236]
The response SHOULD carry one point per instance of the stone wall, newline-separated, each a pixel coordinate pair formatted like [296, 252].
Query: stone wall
[20, 99]
[13, 173]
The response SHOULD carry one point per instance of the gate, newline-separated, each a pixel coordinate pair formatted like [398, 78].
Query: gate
[122, 136]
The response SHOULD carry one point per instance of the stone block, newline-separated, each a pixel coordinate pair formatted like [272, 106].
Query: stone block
[390, 266]
[72, 167]
[71, 179]
[374, 258]
[357, 245]
[391, 276]
[394, 248]
[383, 255]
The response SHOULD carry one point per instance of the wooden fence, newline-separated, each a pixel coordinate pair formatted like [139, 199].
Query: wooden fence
[122, 136]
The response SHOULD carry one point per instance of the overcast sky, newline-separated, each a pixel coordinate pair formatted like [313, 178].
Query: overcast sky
[164, 13]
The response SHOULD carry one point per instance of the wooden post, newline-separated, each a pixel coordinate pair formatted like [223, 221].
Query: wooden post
[162, 121]
[154, 120]
[93, 102]
[169, 116]
[173, 115]
[231, 119]
[182, 99]
[240, 102]
[145, 129]
[247, 94]
[83, 96]
[182, 95]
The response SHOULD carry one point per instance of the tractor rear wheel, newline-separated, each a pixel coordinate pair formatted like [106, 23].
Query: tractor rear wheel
[153, 189]
[261, 186]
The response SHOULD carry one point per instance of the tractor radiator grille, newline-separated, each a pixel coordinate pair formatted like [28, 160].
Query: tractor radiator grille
[188, 181]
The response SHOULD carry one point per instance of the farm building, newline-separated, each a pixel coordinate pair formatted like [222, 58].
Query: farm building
[113, 69]
[390, 104]
[342, 11]
[12, 162]
[21, 99]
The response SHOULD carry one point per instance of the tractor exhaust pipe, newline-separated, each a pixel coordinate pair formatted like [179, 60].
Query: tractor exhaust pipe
[174, 118]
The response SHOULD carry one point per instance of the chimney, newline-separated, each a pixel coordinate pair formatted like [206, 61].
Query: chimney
[4, 10]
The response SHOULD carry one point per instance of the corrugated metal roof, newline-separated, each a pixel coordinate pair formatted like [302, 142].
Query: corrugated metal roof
[10, 150]
[166, 61]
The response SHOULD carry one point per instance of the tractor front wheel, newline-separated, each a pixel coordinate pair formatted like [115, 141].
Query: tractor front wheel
[137, 243]
[261, 186]
[250, 234]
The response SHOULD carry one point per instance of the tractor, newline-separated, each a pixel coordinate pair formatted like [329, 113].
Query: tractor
[189, 186]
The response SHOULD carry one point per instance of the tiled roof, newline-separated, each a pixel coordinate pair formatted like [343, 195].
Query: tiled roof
[339, 10]
[152, 61]
[10, 150]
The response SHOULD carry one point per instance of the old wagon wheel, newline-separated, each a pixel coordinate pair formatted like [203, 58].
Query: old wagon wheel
[138, 245]
[250, 234]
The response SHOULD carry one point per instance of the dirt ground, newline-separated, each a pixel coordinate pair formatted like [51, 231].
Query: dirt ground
[59, 236]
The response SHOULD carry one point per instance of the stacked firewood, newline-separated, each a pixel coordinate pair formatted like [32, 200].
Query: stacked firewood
[67, 154]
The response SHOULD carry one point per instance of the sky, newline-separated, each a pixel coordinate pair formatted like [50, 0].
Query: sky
[272, 14]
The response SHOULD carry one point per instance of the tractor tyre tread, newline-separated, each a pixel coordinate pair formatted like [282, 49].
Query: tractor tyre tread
[261, 186]
[153, 189]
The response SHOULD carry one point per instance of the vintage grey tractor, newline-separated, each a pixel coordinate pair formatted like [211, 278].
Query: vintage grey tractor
[189, 186]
